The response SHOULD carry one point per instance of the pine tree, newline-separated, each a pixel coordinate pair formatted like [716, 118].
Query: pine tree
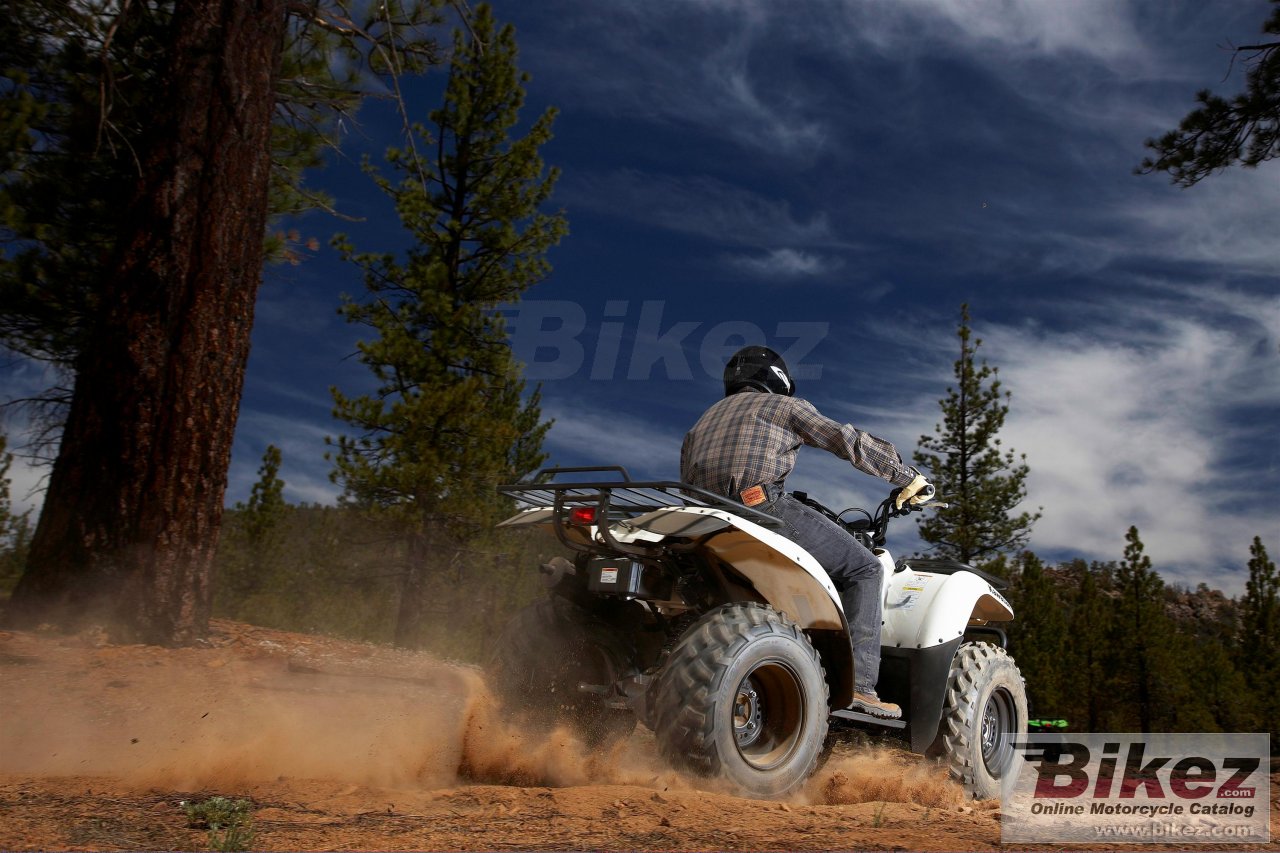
[1087, 654]
[1222, 132]
[134, 501]
[134, 504]
[1038, 636]
[266, 499]
[449, 419]
[1142, 638]
[1221, 699]
[984, 484]
[1140, 590]
[1260, 636]
[70, 160]
[254, 535]
[87, 82]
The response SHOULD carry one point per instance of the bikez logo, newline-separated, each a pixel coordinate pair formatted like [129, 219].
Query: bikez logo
[1186, 787]
[1191, 778]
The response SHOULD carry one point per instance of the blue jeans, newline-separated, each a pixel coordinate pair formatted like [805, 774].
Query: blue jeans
[854, 570]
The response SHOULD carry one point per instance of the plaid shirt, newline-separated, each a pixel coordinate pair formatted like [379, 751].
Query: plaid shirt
[750, 439]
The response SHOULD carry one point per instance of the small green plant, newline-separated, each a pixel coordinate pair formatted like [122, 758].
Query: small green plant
[229, 822]
[878, 820]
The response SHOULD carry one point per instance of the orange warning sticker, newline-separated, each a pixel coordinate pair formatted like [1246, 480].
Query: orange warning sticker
[753, 496]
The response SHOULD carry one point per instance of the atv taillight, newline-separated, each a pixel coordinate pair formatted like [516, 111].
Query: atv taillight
[582, 515]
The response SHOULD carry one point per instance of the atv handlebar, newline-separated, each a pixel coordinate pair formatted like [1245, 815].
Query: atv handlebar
[870, 529]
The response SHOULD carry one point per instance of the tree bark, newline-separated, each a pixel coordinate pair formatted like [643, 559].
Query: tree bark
[411, 618]
[131, 517]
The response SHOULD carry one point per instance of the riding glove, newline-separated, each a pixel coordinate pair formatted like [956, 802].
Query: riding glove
[916, 492]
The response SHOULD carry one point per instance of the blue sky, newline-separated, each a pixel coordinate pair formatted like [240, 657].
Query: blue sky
[843, 175]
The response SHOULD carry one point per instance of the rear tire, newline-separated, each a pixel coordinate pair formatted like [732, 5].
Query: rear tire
[543, 654]
[984, 712]
[743, 696]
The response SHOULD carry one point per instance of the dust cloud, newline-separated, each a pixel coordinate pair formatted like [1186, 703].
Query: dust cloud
[877, 774]
[265, 706]
[268, 706]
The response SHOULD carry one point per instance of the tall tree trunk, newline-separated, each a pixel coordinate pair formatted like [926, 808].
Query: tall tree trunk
[411, 618]
[131, 517]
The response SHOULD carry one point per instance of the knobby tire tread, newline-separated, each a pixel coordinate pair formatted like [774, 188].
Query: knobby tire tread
[959, 721]
[693, 672]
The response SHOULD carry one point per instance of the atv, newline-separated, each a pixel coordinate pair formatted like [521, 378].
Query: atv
[694, 615]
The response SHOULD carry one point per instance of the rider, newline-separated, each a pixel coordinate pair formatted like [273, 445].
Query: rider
[744, 446]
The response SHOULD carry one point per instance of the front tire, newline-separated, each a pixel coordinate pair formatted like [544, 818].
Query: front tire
[545, 652]
[984, 712]
[743, 696]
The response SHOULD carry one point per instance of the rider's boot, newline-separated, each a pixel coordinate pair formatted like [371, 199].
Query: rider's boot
[865, 637]
[869, 703]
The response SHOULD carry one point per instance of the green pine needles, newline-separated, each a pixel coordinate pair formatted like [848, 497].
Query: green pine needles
[983, 482]
[1260, 636]
[1222, 132]
[449, 418]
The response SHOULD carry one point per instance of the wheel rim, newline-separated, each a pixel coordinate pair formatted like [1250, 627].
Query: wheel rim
[768, 714]
[999, 720]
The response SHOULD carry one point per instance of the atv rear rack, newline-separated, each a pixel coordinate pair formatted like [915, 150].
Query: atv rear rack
[618, 500]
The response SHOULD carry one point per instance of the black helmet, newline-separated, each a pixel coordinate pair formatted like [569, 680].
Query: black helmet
[760, 368]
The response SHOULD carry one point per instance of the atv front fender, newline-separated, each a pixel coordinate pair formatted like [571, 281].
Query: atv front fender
[923, 609]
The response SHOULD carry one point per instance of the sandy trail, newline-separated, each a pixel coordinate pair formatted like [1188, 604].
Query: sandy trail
[344, 745]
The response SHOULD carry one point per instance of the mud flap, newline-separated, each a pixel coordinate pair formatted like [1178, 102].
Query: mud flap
[916, 679]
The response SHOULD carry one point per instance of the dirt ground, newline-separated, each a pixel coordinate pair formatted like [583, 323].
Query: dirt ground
[348, 746]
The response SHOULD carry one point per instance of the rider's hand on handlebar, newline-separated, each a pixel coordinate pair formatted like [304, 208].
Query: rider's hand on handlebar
[916, 492]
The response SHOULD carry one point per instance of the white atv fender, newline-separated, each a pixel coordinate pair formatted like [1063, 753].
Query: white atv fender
[926, 617]
[923, 609]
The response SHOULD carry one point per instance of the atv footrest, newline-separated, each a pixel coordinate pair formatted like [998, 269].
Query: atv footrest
[859, 717]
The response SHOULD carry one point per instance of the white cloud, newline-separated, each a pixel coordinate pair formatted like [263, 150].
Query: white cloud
[646, 450]
[701, 206]
[685, 65]
[1052, 150]
[24, 379]
[735, 98]
[1155, 406]
[303, 466]
[1129, 422]
[1100, 30]
[300, 306]
[1228, 219]
[784, 263]
[727, 68]
[27, 483]
[1097, 229]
